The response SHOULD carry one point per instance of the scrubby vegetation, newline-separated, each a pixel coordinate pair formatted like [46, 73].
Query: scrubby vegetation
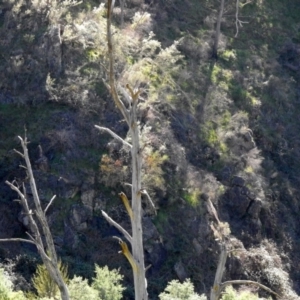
[180, 291]
[106, 285]
[226, 129]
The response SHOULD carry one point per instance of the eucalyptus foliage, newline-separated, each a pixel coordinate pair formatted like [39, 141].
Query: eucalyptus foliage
[180, 291]
[79, 289]
[108, 283]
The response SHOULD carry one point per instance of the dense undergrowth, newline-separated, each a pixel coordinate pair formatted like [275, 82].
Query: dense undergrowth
[224, 128]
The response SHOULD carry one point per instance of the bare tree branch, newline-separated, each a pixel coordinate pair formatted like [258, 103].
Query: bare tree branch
[50, 260]
[230, 282]
[118, 226]
[144, 192]
[112, 83]
[114, 135]
[218, 30]
[127, 253]
[125, 95]
[17, 240]
[238, 22]
[130, 115]
[218, 286]
[49, 204]
[216, 289]
[15, 188]
[126, 204]
[19, 153]
[32, 238]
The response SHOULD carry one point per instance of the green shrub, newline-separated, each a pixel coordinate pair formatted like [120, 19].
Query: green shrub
[44, 284]
[79, 289]
[231, 294]
[5, 286]
[108, 283]
[6, 289]
[180, 291]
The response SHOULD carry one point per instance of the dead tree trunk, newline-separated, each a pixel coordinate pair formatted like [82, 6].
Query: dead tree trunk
[219, 286]
[221, 232]
[218, 31]
[49, 257]
[122, 5]
[128, 108]
[238, 22]
[216, 289]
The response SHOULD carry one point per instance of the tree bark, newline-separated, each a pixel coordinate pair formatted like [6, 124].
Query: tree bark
[122, 5]
[136, 222]
[218, 30]
[49, 258]
[216, 289]
[129, 112]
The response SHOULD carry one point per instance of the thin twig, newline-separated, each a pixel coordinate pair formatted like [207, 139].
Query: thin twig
[237, 18]
[144, 192]
[32, 238]
[114, 135]
[52, 199]
[148, 267]
[112, 83]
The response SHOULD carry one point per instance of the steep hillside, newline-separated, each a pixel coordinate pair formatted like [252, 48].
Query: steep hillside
[225, 129]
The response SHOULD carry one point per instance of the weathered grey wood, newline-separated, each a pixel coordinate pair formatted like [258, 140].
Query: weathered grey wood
[49, 258]
[136, 259]
[238, 22]
[114, 135]
[217, 287]
[218, 30]
[118, 226]
[122, 5]
[221, 236]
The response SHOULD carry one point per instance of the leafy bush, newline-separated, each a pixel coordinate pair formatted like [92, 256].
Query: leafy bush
[180, 291]
[79, 289]
[44, 284]
[231, 294]
[107, 283]
[6, 291]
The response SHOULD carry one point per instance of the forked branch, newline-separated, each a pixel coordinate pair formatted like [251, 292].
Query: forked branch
[238, 22]
[35, 237]
[221, 236]
[118, 226]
